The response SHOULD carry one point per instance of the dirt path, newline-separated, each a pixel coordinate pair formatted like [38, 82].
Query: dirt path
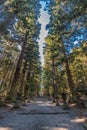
[40, 115]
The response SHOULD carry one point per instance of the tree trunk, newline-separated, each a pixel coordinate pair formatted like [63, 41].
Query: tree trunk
[4, 78]
[13, 90]
[26, 88]
[22, 78]
[54, 81]
[11, 77]
[68, 72]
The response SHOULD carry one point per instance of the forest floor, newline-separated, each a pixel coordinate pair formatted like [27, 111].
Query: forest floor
[40, 114]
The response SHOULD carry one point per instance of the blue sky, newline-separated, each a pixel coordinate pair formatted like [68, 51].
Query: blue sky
[44, 19]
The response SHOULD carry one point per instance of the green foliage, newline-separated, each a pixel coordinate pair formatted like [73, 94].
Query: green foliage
[21, 17]
[69, 60]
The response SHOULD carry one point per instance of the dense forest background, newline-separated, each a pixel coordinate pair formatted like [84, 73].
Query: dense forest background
[20, 67]
[65, 49]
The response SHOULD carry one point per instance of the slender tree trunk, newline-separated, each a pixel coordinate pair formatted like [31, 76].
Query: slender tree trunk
[68, 72]
[2, 58]
[54, 81]
[4, 78]
[26, 88]
[10, 80]
[7, 77]
[22, 78]
[53, 96]
[13, 90]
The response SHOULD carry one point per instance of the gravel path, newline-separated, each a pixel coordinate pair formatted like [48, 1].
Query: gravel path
[40, 115]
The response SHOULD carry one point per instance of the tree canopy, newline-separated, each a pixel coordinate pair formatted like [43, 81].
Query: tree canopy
[20, 61]
[65, 66]
[64, 46]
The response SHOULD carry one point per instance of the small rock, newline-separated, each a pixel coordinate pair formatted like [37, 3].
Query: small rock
[16, 106]
[23, 104]
[1, 117]
[66, 107]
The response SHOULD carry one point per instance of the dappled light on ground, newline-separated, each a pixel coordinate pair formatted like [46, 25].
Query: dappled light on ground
[40, 114]
[5, 128]
[54, 128]
[43, 64]
[77, 120]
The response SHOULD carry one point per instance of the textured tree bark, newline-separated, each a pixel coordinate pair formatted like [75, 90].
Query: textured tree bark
[22, 79]
[4, 78]
[55, 93]
[68, 72]
[12, 93]
[26, 88]
[11, 77]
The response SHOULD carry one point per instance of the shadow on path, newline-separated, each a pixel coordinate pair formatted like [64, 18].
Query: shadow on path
[40, 115]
